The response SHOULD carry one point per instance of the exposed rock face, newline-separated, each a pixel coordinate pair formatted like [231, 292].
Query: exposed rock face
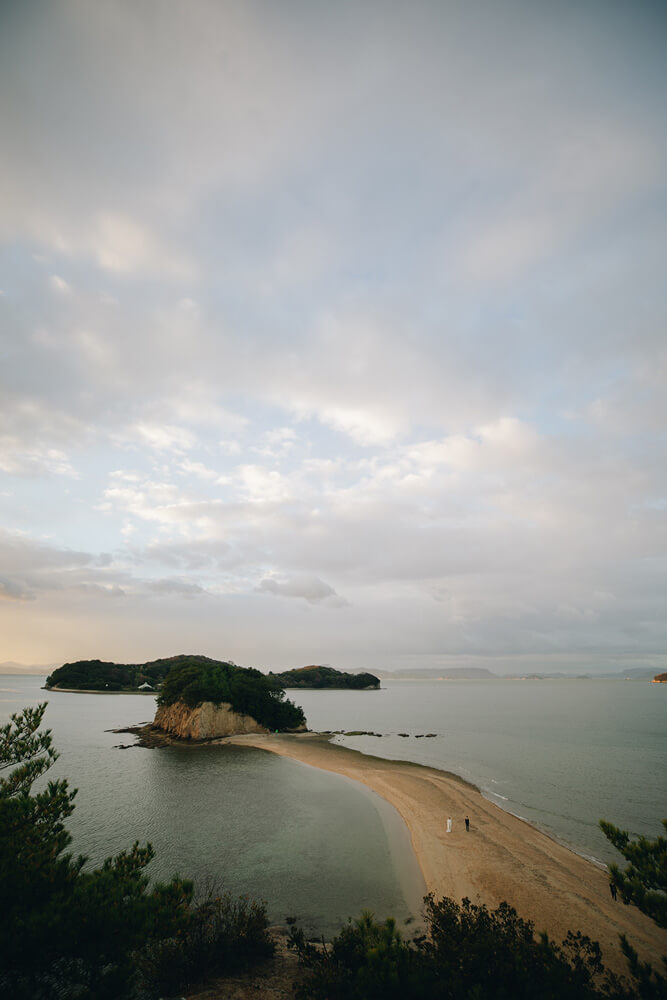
[204, 722]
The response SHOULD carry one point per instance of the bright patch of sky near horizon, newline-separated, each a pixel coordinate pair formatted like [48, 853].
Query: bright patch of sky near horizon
[334, 333]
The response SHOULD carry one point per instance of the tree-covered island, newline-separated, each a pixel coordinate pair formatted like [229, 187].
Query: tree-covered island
[188, 680]
[102, 675]
[197, 680]
[325, 677]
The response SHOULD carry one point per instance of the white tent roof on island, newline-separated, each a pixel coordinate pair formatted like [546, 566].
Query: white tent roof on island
[145, 686]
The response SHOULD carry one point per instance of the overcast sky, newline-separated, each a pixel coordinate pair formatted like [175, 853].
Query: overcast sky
[334, 332]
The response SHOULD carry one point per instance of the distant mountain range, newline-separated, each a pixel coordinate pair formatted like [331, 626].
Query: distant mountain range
[11, 667]
[481, 673]
[431, 674]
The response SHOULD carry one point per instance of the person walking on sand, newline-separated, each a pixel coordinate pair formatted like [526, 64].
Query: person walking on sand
[449, 825]
[612, 890]
[467, 822]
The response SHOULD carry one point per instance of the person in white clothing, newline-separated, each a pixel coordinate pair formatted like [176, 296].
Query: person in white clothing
[449, 825]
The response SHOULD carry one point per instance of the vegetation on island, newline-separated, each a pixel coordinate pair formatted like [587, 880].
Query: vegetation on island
[324, 677]
[100, 675]
[197, 679]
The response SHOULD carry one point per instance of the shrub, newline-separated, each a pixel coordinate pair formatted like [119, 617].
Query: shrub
[221, 935]
[104, 933]
[66, 931]
[367, 961]
[469, 953]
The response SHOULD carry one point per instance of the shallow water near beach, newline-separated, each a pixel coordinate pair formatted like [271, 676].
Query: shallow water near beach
[561, 754]
[315, 846]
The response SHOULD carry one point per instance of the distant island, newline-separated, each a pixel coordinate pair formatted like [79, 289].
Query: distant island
[101, 675]
[660, 679]
[325, 677]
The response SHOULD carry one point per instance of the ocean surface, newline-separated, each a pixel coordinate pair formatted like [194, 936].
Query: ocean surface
[560, 753]
[312, 845]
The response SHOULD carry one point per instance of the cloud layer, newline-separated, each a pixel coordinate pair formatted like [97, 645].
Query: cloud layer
[333, 335]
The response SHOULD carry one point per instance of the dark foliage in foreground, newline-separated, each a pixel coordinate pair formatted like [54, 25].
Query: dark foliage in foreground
[245, 689]
[222, 935]
[101, 934]
[644, 880]
[469, 953]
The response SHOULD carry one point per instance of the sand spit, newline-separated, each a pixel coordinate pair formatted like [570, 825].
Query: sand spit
[501, 858]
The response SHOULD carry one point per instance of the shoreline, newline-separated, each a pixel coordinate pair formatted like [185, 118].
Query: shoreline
[503, 857]
[91, 691]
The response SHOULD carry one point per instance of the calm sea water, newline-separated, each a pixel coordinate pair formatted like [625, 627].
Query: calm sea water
[313, 845]
[561, 754]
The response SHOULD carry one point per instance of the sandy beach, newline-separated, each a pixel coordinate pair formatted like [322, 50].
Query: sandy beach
[500, 858]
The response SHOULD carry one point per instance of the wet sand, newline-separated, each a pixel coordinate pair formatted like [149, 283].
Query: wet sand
[501, 858]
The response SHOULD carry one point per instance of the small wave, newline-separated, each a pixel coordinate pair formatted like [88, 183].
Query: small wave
[592, 859]
[497, 795]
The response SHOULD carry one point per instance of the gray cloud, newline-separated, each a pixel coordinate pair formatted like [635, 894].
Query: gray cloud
[397, 326]
[310, 589]
[13, 590]
[170, 586]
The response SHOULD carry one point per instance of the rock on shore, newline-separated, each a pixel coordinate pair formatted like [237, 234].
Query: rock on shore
[205, 722]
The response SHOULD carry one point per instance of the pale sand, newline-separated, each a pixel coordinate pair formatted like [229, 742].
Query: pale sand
[501, 858]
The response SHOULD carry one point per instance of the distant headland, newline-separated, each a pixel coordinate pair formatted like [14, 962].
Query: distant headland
[325, 677]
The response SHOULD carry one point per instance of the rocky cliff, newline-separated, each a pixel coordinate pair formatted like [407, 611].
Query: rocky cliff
[204, 722]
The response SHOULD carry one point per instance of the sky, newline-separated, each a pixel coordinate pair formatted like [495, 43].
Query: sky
[334, 333]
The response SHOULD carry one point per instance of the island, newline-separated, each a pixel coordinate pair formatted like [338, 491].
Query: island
[105, 676]
[204, 699]
[315, 676]
[102, 675]
[659, 679]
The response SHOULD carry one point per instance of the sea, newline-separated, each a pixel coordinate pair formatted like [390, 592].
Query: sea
[320, 848]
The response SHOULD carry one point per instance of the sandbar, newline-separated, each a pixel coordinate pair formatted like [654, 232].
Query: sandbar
[501, 858]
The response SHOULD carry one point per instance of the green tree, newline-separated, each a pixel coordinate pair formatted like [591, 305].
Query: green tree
[194, 680]
[67, 931]
[643, 883]
[644, 880]
[469, 953]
